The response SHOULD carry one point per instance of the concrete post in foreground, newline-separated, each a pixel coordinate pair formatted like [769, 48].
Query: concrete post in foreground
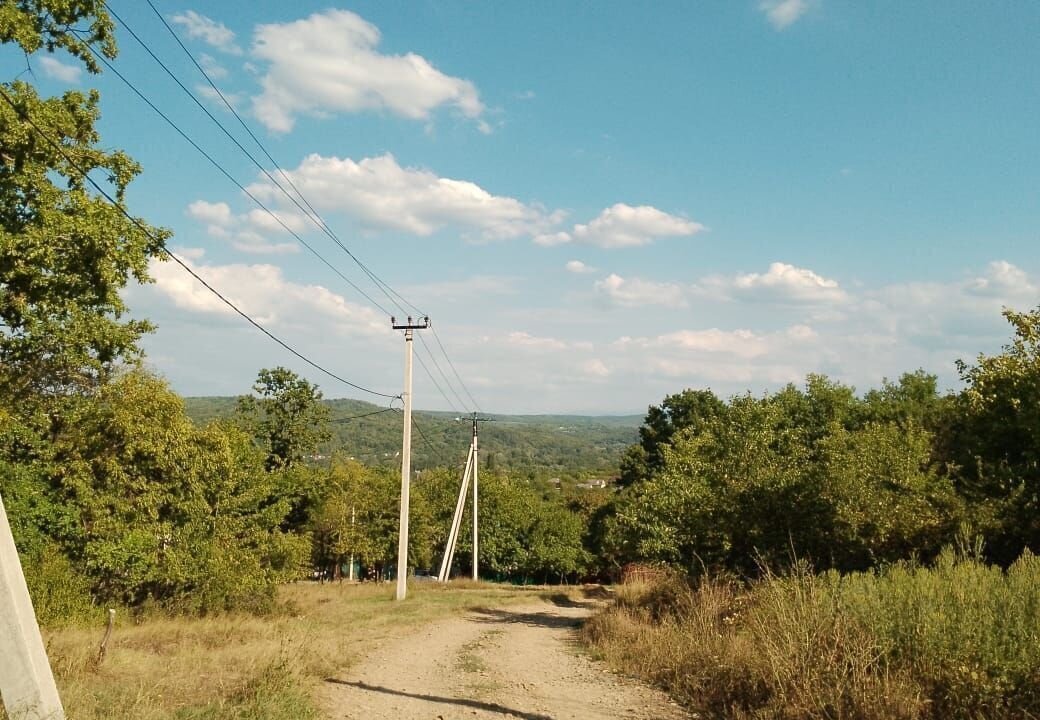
[26, 682]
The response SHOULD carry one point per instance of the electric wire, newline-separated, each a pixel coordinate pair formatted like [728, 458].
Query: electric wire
[433, 451]
[364, 415]
[447, 380]
[426, 369]
[226, 173]
[309, 211]
[452, 365]
[162, 244]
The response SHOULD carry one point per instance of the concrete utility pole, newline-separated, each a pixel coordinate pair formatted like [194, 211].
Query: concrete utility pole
[26, 682]
[406, 452]
[456, 521]
[476, 554]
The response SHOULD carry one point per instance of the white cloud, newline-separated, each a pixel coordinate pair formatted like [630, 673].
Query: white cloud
[782, 283]
[578, 267]
[329, 63]
[551, 239]
[247, 232]
[626, 226]
[263, 292]
[524, 340]
[214, 69]
[595, 368]
[1002, 278]
[637, 293]
[783, 13]
[464, 290]
[55, 68]
[211, 32]
[382, 194]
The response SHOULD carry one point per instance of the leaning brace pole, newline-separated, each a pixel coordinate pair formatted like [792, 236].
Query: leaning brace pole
[456, 521]
[406, 453]
[26, 681]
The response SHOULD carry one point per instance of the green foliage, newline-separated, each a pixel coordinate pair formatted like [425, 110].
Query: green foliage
[532, 448]
[46, 24]
[65, 253]
[286, 416]
[998, 440]
[689, 410]
[795, 473]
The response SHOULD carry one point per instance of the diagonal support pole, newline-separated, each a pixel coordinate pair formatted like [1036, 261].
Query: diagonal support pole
[456, 522]
[26, 681]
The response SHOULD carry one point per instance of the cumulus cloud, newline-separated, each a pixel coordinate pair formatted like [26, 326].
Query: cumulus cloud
[637, 293]
[263, 292]
[781, 283]
[329, 63]
[209, 31]
[56, 69]
[247, 232]
[783, 13]
[578, 267]
[381, 194]
[625, 226]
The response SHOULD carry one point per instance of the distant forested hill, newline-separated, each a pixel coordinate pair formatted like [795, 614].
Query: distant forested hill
[539, 447]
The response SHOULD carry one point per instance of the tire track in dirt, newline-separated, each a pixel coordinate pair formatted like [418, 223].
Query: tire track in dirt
[494, 663]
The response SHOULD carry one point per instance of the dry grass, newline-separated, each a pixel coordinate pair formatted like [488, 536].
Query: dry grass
[240, 666]
[955, 641]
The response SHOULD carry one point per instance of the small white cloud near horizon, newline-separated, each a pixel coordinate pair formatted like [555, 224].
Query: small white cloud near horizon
[622, 226]
[329, 62]
[783, 13]
[637, 293]
[578, 267]
[56, 69]
[213, 33]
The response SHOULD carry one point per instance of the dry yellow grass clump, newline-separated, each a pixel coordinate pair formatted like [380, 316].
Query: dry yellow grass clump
[240, 666]
[953, 641]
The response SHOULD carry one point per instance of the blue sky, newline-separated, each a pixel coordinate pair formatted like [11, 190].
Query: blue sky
[597, 204]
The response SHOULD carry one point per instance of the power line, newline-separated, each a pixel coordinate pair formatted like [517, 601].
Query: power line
[447, 380]
[364, 415]
[309, 211]
[228, 174]
[433, 450]
[452, 365]
[162, 244]
[435, 383]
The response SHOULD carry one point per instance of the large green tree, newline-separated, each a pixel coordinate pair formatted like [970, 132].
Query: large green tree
[65, 252]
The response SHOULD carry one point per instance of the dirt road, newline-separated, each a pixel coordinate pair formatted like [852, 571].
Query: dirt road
[507, 662]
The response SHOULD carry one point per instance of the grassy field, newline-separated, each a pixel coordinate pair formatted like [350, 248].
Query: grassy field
[959, 640]
[245, 667]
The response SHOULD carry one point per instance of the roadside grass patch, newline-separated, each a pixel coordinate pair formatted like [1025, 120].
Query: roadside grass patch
[244, 667]
[957, 640]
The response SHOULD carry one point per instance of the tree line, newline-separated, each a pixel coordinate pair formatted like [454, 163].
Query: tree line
[846, 482]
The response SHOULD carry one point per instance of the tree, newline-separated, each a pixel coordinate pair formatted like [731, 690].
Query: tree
[688, 409]
[999, 437]
[286, 416]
